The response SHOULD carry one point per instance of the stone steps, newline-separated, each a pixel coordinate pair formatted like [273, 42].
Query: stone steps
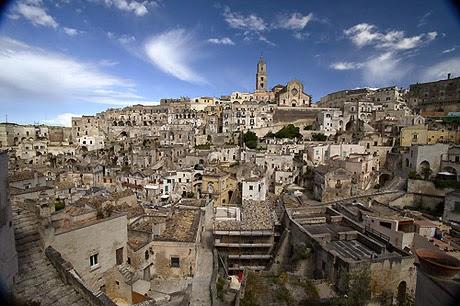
[38, 280]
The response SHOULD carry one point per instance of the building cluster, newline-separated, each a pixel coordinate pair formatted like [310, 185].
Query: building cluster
[188, 200]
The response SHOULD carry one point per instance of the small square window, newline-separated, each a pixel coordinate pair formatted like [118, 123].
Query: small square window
[175, 262]
[251, 187]
[93, 260]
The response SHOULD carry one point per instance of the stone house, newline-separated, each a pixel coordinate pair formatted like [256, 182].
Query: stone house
[218, 186]
[164, 245]
[331, 183]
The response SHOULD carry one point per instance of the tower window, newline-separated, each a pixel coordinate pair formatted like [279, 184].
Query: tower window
[261, 84]
[261, 78]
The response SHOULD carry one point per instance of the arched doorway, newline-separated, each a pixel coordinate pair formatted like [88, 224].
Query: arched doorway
[425, 169]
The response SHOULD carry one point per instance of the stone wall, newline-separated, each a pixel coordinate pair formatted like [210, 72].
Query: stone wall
[102, 237]
[70, 277]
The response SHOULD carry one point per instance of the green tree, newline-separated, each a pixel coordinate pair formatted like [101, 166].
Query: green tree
[250, 139]
[270, 135]
[426, 172]
[318, 137]
[358, 287]
[288, 131]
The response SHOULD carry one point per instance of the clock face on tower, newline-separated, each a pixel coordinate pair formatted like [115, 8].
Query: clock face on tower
[294, 91]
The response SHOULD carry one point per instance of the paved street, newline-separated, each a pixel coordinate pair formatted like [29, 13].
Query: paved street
[200, 286]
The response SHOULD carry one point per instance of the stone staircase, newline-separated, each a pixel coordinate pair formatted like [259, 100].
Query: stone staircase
[128, 274]
[38, 280]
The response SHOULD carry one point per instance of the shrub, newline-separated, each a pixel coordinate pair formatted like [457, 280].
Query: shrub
[250, 139]
[318, 137]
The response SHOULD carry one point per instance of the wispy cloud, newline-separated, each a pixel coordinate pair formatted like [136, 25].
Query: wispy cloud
[107, 63]
[239, 21]
[365, 34]
[300, 35]
[139, 8]
[346, 66]
[441, 69]
[384, 69]
[35, 12]
[35, 74]
[424, 20]
[64, 119]
[71, 31]
[448, 50]
[294, 21]
[221, 41]
[171, 52]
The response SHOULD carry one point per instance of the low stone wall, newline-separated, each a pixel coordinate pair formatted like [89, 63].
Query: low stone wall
[70, 277]
[212, 285]
[428, 188]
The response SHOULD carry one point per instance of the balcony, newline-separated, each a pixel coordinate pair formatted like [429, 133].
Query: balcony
[247, 256]
[218, 243]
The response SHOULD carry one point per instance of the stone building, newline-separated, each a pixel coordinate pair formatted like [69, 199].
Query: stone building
[72, 233]
[293, 95]
[261, 76]
[218, 186]
[452, 207]
[331, 183]
[424, 156]
[439, 97]
[244, 235]
[164, 245]
[338, 247]
[450, 162]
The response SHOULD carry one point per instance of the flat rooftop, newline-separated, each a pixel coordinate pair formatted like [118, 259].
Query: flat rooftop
[255, 216]
[352, 249]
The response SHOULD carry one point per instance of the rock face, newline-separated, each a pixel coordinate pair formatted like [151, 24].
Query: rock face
[38, 280]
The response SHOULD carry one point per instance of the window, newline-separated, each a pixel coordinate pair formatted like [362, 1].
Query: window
[146, 255]
[93, 261]
[251, 187]
[175, 263]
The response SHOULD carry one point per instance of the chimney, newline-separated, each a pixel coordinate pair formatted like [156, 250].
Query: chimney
[448, 76]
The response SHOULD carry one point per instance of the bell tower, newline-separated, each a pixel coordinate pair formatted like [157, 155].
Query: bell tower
[261, 76]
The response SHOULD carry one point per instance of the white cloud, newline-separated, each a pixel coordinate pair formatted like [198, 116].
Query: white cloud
[448, 50]
[33, 74]
[239, 21]
[441, 69]
[126, 39]
[346, 66]
[71, 31]
[423, 20]
[295, 21]
[108, 63]
[366, 34]
[35, 12]
[385, 69]
[221, 41]
[172, 53]
[300, 35]
[139, 8]
[64, 119]
[265, 40]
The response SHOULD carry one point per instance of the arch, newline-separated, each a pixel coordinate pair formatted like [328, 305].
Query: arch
[425, 169]
[84, 149]
[402, 293]
[384, 178]
[15, 141]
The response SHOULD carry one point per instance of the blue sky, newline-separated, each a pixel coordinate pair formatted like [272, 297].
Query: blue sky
[59, 58]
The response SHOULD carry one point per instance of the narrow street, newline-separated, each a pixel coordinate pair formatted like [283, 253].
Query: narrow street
[200, 285]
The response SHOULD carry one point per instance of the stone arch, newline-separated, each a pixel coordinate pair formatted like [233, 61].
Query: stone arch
[16, 141]
[384, 178]
[450, 170]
